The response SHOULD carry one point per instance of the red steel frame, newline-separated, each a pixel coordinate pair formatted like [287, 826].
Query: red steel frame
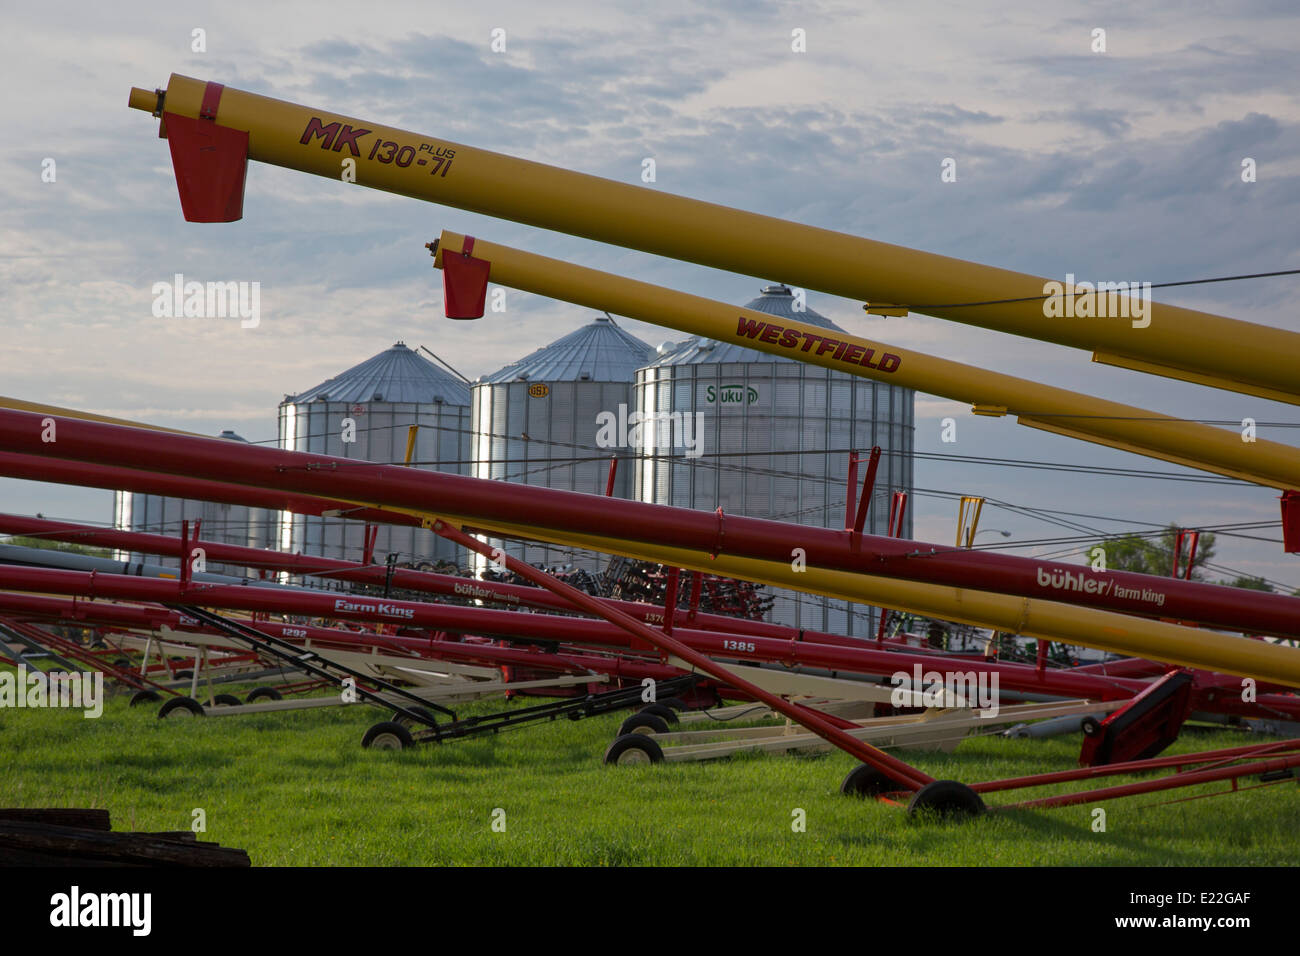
[831, 729]
[427, 581]
[537, 597]
[864, 658]
[745, 536]
[137, 617]
[1222, 765]
[78, 653]
[152, 617]
[525, 505]
[560, 630]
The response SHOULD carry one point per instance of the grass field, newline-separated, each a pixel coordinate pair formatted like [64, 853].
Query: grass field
[297, 789]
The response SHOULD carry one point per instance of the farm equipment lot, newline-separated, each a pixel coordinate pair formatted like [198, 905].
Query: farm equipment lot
[295, 789]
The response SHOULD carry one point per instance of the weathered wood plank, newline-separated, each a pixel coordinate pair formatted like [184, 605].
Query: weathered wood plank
[124, 847]
[86, 819]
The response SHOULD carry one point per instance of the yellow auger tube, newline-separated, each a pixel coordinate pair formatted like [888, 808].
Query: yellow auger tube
[990, 393]
[1183, 343]
[54, 411]
[1032, 617]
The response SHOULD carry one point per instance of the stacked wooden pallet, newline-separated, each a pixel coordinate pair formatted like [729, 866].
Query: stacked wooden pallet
[86, 838]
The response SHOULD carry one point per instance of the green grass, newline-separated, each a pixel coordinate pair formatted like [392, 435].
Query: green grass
[297, 789]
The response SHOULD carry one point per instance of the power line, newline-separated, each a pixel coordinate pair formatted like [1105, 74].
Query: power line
[1039, 298]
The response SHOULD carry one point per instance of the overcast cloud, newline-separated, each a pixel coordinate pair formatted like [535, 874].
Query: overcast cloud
[1117, 165]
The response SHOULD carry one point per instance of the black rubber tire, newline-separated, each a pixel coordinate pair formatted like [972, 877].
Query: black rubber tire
[122, 662]
[1090, 726]
[183, 675]
[182, 707]
[227, 700]
[263, 693]
[865, 780]
[408, 723]
[946, 798]
[99, 646]
[673, 703]
[630, 745]
[145, 697]
[643, 723]
[660, 709]
[384, 736]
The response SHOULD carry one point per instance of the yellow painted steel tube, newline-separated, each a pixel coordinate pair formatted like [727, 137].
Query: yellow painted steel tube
[1040, 406]
[1049, 620]
[18, 405]
[1183, 343]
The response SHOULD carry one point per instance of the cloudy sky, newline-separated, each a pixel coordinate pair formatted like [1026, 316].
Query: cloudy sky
[1124, 164]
